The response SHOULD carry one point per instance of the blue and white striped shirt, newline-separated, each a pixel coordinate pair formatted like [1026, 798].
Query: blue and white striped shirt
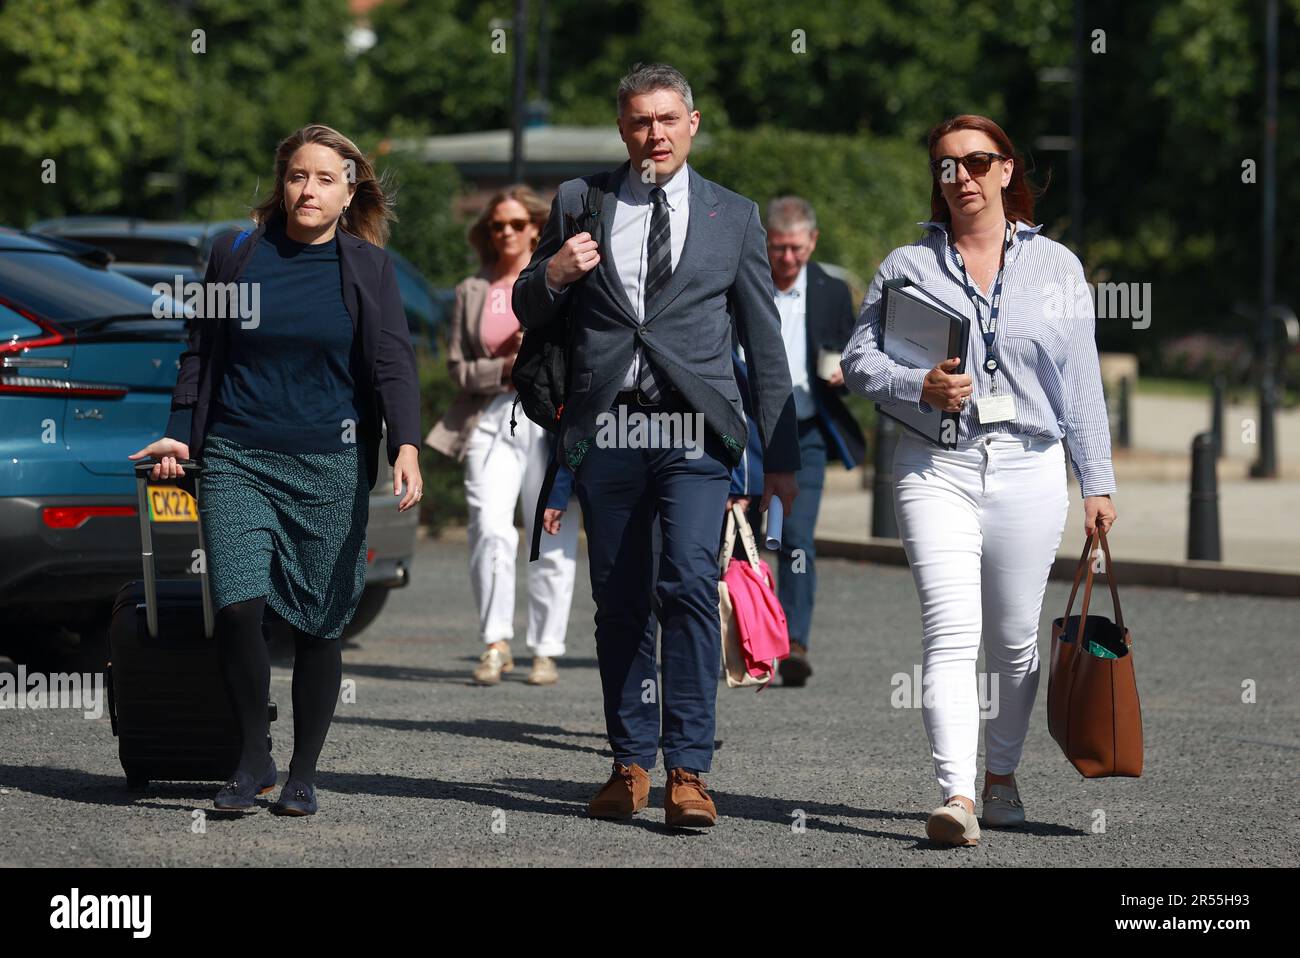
[1046, 346]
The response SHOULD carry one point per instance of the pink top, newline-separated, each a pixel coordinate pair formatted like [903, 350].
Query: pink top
[498, 322]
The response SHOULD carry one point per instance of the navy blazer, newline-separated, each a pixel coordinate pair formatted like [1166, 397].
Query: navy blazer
[389, 385]
[829, 320]
[828, 323]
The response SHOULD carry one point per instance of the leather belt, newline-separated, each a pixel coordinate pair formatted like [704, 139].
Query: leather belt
[633, 397]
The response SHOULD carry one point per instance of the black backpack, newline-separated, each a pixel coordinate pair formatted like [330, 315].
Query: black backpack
[541, 370]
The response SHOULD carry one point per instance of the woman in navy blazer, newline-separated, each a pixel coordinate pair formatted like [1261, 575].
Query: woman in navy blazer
[281, 398]
[373, 299]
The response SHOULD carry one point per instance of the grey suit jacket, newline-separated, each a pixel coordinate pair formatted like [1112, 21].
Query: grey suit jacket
[722, 277]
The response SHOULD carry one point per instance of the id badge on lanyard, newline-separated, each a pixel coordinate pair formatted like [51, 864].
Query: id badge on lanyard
[996, 407]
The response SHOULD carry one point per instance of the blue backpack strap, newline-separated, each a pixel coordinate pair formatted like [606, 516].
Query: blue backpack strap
[239, 239]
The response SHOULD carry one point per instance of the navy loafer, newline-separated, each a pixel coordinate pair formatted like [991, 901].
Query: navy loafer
[296, 798]
[237, 794]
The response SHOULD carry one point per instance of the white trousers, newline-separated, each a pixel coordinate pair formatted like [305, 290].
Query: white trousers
[980, 525]
[499, 468]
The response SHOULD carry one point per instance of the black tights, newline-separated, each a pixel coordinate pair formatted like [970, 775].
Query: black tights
[246, 664]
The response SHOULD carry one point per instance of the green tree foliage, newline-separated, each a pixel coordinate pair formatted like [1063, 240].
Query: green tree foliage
[831, 99]
[83, 88]
[427, 231]
[868, 192]
[270, 68]
[1174, 107]
[438, 62]
[144, 116]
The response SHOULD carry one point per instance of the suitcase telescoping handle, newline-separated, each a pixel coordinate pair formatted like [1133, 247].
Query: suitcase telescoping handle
[193, 471]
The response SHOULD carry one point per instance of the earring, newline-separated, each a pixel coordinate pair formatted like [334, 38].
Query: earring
[345, 209]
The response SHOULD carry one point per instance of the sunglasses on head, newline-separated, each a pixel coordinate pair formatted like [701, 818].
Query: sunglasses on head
[977, 164]
[499, 226]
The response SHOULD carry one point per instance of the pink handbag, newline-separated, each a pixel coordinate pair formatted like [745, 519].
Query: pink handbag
[754, 631]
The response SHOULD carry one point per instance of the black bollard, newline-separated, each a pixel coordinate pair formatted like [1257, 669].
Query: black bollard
[884, 524]
[1266, 466]
[1216, 416]
[1203, 508]
[1123, 413]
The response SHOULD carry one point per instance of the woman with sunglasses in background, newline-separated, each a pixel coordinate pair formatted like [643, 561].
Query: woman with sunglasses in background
[981, 523]
[500, 467]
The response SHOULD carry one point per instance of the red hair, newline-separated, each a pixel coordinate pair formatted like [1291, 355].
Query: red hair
[1017, 196]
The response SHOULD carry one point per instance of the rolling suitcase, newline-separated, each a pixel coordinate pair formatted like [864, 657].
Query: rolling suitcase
[167, 699]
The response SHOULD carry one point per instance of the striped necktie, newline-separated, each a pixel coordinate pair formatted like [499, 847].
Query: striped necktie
[659, 269]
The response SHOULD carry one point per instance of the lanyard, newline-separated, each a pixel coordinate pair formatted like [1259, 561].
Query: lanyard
[989, 325]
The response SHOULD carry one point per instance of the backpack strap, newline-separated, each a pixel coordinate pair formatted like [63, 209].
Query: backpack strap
[539, 510]
[592, 203]
[595, 197]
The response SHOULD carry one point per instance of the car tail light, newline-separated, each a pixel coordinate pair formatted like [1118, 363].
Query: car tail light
[370, 556]
[53, 335]
[16, 354]
[72, 517]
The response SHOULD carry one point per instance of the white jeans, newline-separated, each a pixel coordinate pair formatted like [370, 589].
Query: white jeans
[980, 525]
[498, 469]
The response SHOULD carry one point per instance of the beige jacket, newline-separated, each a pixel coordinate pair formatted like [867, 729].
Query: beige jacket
[476, 373]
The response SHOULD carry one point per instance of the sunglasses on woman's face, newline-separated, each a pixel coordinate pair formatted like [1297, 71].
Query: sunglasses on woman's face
[977, 164]
[499, 226]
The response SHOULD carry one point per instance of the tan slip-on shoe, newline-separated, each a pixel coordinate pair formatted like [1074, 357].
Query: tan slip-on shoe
[1002, 807]
[544, 671]
[952, 824]
[686, 802]
[491, 664]
[625, 794]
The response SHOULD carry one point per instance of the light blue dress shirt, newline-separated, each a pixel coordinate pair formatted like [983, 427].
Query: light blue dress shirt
[1045, 345]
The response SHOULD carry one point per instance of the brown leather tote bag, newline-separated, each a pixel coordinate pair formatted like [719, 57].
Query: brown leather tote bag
[1093, 711]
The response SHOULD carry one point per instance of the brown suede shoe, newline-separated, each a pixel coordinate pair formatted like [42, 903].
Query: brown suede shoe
[625, 794]
[686, 803]
[796, 669]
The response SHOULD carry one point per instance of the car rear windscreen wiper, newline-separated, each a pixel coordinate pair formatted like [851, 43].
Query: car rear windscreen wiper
[82, 252]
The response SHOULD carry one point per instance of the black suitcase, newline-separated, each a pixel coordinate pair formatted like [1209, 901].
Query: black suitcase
[167, 699]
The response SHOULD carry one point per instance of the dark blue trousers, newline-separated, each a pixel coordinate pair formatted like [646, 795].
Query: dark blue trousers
[796, 585]
[622, 491]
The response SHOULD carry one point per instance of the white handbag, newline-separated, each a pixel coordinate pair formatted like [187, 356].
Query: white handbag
[733, 657]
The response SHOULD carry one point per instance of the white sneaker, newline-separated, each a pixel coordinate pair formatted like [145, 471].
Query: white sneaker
[953, 825]
[544, 671]
[1002, 807]
[491, 664]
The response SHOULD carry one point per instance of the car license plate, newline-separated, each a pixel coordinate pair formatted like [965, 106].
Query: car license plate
[171, 504]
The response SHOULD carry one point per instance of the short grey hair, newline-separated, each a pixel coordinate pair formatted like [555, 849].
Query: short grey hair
[785, 214]
[648, 77]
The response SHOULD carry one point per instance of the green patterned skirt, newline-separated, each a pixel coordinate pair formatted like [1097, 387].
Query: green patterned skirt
[290, 527]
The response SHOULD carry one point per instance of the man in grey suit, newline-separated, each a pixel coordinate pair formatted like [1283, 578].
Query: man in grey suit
[656, 278]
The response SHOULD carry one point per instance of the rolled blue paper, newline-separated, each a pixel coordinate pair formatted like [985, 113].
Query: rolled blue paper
[775, 516]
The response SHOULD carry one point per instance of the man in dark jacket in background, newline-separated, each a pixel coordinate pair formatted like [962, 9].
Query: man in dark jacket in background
[817, 319]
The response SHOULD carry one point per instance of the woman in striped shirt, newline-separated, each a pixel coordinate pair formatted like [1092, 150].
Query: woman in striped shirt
[981, 523]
